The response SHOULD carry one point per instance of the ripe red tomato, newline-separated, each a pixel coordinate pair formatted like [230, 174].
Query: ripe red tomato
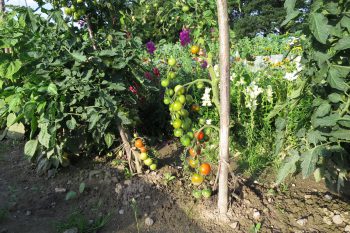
[199, 135]
[205, 169]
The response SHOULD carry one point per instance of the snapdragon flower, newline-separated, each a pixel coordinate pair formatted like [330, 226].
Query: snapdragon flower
[206, 101]
[185, 38]
[269, 94]
[252, 93]
[151, 47]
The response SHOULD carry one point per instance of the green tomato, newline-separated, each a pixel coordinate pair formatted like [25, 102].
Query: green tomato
[177, 123]
[80, 1]
[171, 61]
[155, 5]
[171, 75]
[143, 156]
[148, 161]
[167, 100]
[197, 194]
[190, 134]
[200, 85]
[185, 141]
[171, 107]
[189, 99]
[76, 16]
[177, 106]
[178, 133]
[164, 83]
[179, 90]
[171, 92]
[206, 193]
[153, 166]
[182, 99]
[201, 121]
[207, 131]
[186, 123]
[184, 112]
[68, 11]
[185, 8]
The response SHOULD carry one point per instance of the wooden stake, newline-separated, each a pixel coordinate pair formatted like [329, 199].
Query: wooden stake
[224, 105]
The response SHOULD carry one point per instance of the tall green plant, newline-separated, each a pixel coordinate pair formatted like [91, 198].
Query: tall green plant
[324, 149]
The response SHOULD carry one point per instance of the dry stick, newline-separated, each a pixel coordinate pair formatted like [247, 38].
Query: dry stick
[123, 133]
[127, 147]
[224, 104]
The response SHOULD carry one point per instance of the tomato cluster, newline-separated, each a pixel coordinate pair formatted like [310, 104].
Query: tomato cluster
[181, 106]
[144, 155]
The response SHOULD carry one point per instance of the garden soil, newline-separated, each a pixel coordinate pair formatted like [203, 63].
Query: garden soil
[30, 203]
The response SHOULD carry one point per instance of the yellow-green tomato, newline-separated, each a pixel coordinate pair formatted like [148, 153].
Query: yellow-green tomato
[171, 75]
[177, 123]
[182, 99]
[153, 166]
[179, 90]
[148, 162]
[167, 100]
[143, 156]
[164, 83]
[178, 132]
[177, 106]
[171, 61]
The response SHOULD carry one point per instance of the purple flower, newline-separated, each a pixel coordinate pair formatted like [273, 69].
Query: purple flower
[151, 47]
[204, 64]
[185, 37]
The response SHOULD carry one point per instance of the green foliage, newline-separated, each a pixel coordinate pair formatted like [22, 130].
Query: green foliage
[82, 223]
[69, 97]
[164, 19]
[324, 144]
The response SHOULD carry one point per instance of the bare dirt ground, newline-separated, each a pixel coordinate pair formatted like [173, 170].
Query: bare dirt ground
[36, 204]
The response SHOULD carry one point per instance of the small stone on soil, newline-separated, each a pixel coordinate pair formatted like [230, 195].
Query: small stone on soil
[307, 196]
[60, 190]
[127, 182]
[28, 212]
[234, 225]
[256, 214]
[337, 219]
[302, 221]
[147, 197]
[149, 221]
[72, 230]
[347, 228]
[121, 211]
[328, 197]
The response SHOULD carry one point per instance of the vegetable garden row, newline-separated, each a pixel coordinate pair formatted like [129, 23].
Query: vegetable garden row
[116, 78]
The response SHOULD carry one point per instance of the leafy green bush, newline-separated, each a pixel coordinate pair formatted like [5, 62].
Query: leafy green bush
[323, 147]
[70, 97]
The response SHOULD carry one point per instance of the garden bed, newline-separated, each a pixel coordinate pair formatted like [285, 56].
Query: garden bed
[37, 204]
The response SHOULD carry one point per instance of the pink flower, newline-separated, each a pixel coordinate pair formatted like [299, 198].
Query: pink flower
[156, 71]
[133, 90]
[148, 75]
